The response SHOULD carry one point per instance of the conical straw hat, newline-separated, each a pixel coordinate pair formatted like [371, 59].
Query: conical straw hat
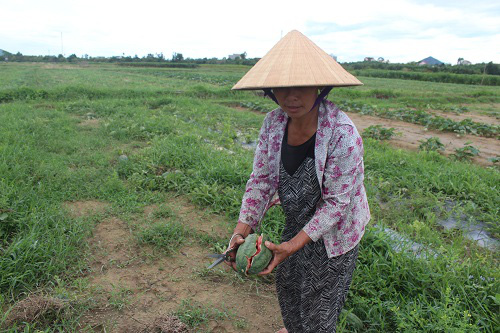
[295, 61]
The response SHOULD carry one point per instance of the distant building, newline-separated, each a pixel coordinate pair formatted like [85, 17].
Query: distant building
[4, 54]
[464, 62]
[369, 59]
[429, 61]
[234, 56]
[333, 56]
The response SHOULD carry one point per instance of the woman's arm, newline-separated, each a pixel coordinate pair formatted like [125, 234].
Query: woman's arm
[259, 188]
[258, 192]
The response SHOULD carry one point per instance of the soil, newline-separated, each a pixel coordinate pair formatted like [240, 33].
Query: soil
[242, 108]
[84, 208]
[411, 134]
[137, 285]
[92, 123]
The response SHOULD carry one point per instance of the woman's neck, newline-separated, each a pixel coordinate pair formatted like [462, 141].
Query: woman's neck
[303, 128]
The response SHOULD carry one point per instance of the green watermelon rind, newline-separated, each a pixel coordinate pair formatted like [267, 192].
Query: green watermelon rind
[261, 260]
[247, 249]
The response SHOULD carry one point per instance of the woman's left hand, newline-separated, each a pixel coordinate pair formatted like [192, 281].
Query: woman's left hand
[284, 250]
[280, 253]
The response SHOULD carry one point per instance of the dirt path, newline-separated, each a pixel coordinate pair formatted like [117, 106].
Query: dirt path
[136, 285]
[412, 133]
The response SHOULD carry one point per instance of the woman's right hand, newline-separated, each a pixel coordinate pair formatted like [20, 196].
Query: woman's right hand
[235, 242]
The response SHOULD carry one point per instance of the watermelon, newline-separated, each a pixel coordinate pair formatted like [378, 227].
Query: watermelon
[253, 256]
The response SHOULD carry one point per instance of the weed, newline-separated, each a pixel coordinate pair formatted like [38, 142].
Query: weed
[465, 153]
[431, 144]
[495, 161]
[195, 314]
[378, 132]
[240, 323]
[119, 297]
[163, 212]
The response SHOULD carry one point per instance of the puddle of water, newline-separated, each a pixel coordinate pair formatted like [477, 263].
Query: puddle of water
[473, 231]
[476, 231]
[248, 145]
[401, 243]
[244, 143]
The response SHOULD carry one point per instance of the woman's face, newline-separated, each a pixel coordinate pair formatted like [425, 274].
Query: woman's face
[296, 101]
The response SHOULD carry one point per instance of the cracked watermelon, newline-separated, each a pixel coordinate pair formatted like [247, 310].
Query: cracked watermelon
[253, 256]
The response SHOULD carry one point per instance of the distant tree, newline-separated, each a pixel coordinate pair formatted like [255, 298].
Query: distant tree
[61, 58]
[177, 56]
[72, 58]
[492, 69]
[459, 61]
[243, 56]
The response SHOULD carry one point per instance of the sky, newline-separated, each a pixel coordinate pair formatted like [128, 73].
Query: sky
[397, 30]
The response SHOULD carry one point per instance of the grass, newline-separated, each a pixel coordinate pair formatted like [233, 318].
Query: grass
[195, 314]
[181, 135]
[167, 236]
[119, 297]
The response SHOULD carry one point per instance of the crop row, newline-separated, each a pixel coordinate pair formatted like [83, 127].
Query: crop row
[221, 80]
[466, 126]
[475, 79]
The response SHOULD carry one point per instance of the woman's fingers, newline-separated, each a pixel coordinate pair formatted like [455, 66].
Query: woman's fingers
[280, 253]
[271, 246]
[238, 240]
[269, 267]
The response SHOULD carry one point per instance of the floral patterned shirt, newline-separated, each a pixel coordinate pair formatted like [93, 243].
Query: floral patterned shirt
[342, 212]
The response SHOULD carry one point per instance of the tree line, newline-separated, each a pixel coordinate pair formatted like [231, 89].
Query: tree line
[481, 68]
[149, 58]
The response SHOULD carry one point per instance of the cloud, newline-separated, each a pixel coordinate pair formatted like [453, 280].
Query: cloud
[396, 29]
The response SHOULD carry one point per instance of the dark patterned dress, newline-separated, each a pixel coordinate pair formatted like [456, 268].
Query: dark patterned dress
[311, 287]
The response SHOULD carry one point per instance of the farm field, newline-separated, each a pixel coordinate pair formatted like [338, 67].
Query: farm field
[117, 182]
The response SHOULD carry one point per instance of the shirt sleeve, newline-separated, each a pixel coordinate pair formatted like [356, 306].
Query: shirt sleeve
[258, 188]
[344, 166]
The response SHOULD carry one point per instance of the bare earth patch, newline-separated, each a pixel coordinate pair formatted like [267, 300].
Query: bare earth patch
[59, 66]
[241, 108]
[84, 208]
[412, 133]
[90, 123]
[138, 286]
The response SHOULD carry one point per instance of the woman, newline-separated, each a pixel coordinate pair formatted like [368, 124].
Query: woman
[310, 153]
